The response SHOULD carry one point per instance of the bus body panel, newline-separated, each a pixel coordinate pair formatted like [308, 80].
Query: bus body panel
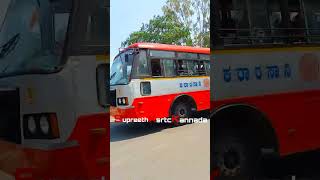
[164, 91]
[282, 83]
[67, 99]
[35, 91]
[144, 107]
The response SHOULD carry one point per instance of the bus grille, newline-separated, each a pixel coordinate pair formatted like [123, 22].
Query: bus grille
[113, 97]
[10, 116]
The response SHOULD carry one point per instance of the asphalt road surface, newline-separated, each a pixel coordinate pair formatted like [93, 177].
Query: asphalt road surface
[160, 152]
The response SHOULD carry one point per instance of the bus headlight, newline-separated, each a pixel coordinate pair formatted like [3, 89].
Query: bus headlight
[122, 101]
[119, 101]
[41, 126]
[44, 125]
[32, 127]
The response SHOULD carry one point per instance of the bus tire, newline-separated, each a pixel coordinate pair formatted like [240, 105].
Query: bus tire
[235, 154]
[181, 109]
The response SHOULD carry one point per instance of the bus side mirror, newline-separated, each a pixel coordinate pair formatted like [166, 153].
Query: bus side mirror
[145, 88]
[103, 84]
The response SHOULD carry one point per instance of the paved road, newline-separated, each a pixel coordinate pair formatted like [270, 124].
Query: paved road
[160, 153]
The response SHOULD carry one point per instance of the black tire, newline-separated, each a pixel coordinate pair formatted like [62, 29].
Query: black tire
[181, 110]
[236, 154]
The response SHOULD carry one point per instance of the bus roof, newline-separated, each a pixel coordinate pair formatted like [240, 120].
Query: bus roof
[167, 47]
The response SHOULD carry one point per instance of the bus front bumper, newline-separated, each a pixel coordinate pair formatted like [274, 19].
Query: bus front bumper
[64, 162]
[61, 160]
[120, 114]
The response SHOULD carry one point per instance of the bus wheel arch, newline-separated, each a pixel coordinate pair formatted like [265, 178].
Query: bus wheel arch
[184, 99]
[250, 120]
[253, 119]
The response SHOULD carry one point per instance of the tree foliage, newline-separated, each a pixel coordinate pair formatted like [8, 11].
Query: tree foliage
[195, 14]
[184, 22]
[161, 29]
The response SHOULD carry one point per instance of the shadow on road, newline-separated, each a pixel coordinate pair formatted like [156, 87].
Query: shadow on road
[123, 131]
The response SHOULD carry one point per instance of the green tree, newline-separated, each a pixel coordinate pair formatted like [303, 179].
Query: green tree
[161, 29]
[184, 22]
[195, 14]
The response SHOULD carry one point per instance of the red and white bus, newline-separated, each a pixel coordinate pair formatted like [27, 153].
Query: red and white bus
[53, 89]
[265, 81]
[158, 81]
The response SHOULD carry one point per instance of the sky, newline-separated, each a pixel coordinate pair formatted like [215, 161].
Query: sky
[127, 16]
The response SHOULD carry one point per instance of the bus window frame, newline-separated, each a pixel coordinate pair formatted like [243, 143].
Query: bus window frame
[186, 57]
[205, 57]
[177, 65]
[149, 59]
[162, 75]
[194, 60]
[76, 45]
[134, 74]
[218, 43]
[207, 70]
[161, 51]
[175, 69]
[175, 59]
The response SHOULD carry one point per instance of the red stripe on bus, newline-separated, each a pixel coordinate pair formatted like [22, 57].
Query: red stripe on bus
[159, 106]
[166, 47]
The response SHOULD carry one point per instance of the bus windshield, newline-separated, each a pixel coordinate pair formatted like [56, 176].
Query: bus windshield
[121, 69]
[23, 48]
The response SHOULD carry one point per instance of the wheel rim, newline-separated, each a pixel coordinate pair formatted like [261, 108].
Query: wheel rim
[182, 111]
[229, 162]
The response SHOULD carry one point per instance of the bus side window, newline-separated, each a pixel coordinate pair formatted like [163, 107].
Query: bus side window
[169, 67]
[182, 68]
[141, 63]
[312, 12]
[201, 68]
[233, 22]
[207, 67]
[156, 67]
[191, 66]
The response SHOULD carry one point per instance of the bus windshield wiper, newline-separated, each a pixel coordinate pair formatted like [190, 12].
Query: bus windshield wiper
[9, 46]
